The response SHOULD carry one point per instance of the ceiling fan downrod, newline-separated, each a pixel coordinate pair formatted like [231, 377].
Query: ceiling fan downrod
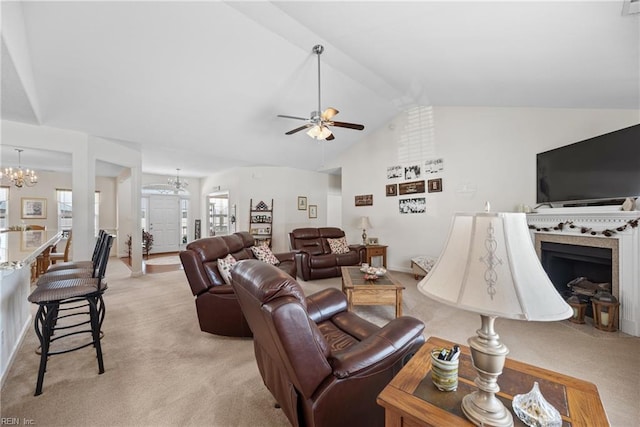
[318, 49]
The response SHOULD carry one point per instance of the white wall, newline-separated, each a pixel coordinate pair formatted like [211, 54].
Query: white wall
[283, 185]
[489, 155]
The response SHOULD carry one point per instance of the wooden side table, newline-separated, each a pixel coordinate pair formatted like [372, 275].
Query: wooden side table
[412, 400]
[376, 250]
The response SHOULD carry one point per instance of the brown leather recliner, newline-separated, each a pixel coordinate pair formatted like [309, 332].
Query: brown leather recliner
[314, 259]
[216, 303]
[324, 365]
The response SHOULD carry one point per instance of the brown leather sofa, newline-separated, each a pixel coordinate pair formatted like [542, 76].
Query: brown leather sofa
[324, 365]
[216, 303]
[314, 259]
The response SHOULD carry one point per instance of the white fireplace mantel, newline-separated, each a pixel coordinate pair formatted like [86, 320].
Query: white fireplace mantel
[600, 219]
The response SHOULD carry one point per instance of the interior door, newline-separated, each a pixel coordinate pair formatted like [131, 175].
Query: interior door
[164, 223]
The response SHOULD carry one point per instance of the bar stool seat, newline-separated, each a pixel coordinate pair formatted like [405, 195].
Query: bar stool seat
[88, 264]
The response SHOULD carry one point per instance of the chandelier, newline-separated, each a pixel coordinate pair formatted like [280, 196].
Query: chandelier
[20, 177]
[177, 183]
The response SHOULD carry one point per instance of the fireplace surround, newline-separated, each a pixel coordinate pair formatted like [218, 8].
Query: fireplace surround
[624, 247]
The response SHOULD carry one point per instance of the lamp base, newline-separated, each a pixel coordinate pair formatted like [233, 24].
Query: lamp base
[478, 416]
[364, 237]
[488, 354]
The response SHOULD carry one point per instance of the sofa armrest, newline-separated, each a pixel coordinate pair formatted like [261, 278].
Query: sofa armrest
[286, 256]
[325, 304]
[390, 342]
[361, 251]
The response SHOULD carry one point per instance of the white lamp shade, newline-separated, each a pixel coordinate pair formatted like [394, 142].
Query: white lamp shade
[489, 266]
[365, 224]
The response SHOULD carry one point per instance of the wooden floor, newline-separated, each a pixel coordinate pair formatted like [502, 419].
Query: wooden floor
[152, 269]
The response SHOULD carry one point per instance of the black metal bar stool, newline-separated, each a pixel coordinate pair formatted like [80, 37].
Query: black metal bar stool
[63, 306]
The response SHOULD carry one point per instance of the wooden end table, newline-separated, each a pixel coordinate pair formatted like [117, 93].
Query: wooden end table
[386, 290]
[411, 399]
[376, 250]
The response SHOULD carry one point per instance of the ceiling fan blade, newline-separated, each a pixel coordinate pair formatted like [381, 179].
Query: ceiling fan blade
[347, 125]
[291, 132]
[329, 113]
[330, 138]
[292, 117]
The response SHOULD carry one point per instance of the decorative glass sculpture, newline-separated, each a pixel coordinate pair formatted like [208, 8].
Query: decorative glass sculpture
[534, 410]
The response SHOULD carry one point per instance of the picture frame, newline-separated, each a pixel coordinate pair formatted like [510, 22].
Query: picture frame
[302, 203]
[435, 185]
[364, 200]
[411, 187]
[313, 211]
[392, 190]
[33, 208]
[411, 206]
[372, 241]
[31, 239]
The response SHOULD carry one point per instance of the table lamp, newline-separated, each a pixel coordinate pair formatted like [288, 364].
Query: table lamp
[364, 224]
[489, 266]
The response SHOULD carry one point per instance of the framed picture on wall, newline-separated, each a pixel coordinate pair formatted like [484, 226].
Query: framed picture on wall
[33, 208]
[435, 185]
[411, 187]
[364, 200]
[392, 190]
[313, 211]
[302, 203]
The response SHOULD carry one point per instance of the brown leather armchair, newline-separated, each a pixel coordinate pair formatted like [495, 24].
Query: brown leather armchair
[216, 303]
[314, 259]
[324, 365]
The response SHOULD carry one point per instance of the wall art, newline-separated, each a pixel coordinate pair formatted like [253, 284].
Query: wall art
[302, 203]
[411, 187]
[313, 211]
[392, 190]
[394, 172]
[412, 172]
[433, 166]
[34, 208]
[364, 200]
[415, 205]
[435, 185]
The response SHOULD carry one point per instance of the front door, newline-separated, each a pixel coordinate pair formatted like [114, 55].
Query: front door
[164, 223]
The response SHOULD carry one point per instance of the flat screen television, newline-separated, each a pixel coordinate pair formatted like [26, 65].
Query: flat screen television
[600, 170]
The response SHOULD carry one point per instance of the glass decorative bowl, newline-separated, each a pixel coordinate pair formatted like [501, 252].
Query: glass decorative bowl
[378, 271]
[534, 410]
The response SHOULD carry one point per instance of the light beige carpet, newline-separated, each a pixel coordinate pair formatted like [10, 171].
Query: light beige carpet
[161, 370]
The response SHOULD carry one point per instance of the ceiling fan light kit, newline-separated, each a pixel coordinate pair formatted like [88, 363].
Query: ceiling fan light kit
[319, 121]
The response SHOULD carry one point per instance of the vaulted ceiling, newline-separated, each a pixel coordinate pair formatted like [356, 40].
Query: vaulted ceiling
[198, 85]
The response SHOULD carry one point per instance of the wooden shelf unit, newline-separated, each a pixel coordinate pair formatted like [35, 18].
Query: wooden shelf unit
[261, 221]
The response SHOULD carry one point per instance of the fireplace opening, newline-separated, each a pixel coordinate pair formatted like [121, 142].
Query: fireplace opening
[565, 262]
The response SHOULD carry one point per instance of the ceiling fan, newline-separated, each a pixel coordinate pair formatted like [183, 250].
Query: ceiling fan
[319, 121]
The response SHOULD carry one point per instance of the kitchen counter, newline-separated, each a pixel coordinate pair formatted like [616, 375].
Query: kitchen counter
[18, 249]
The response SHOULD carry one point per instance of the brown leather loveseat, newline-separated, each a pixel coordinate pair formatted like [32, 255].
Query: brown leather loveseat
[314, 258]
[324, 365]
[216, 303]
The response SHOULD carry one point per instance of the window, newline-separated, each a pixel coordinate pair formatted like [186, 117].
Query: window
[219, 214]
[184, 220]
[65, 211]
[4, 207]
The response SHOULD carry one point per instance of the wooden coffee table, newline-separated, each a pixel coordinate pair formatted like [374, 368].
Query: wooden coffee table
[411, 399]
[386, 290]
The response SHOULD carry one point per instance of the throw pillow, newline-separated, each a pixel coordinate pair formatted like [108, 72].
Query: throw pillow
[224, 267]
[264, 254]
[338, 246]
